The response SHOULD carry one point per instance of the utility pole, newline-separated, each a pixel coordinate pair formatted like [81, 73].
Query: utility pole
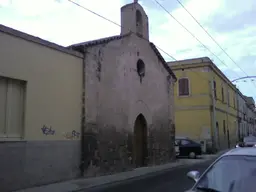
[213, 115]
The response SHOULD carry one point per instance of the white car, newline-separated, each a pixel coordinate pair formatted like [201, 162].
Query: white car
[234, 171]
[249, 141]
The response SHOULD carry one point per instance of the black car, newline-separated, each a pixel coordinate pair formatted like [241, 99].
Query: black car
[188, 147]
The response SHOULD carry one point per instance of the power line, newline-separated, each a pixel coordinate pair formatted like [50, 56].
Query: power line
[253, 83]
[214, 40]
[113, 22]
[211, 37]
[190, 33]
[77, 4]
[89, 10]
[93, 12]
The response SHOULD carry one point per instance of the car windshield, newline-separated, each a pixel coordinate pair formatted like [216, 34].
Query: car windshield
[231, 174]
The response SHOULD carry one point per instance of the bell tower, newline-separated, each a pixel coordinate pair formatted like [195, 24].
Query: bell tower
[134, 18]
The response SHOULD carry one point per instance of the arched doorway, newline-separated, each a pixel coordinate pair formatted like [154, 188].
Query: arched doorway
[140, 141]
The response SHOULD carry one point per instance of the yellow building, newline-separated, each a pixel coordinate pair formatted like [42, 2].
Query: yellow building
[40, 111]
[205, 103]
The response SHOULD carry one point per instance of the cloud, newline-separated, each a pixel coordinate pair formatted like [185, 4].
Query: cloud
[176, 37]
[234, 16]
[61, 21]
[231, 24]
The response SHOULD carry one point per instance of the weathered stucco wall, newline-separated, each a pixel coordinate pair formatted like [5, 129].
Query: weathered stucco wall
[115, 97]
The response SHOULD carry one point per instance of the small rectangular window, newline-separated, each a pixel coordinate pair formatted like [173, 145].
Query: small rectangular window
[234, 100]
[215, 89]
[228, 98]
[183, 87]
[224, 127]
[222, 95]
[12, 94]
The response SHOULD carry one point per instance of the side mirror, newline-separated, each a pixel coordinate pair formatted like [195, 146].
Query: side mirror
[194, 175]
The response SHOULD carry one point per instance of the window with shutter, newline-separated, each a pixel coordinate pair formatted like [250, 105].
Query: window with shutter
[234, 101]
[11, 114]
[228, 97]
[222, 94]
[183, 87]
[215, 91]
[224, 127]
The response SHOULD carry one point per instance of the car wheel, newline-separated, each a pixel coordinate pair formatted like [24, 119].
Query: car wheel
[192, 155]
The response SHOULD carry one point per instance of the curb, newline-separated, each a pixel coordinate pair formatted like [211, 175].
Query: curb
[142, 176]
[79, 185]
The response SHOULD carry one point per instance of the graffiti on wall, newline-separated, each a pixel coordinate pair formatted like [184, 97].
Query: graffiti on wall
[72, 135]
[47, 130]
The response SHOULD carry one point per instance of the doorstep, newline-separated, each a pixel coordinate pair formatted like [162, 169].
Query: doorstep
[85, 183]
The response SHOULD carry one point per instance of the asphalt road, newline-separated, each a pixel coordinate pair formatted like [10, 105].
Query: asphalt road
[174, 180]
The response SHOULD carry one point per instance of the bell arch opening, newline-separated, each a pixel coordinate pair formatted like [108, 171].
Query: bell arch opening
[139, 23]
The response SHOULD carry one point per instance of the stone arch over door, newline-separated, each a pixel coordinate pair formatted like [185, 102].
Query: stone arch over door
[140, 150]
[139, 107]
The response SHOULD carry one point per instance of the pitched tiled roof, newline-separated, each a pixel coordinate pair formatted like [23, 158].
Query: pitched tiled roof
[80, 47]
[99, 41]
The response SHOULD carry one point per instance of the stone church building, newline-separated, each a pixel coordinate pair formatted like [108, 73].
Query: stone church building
[128, 102]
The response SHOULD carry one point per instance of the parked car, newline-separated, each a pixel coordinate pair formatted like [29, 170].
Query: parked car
[249, 141]
[188, 147]
[234, 171]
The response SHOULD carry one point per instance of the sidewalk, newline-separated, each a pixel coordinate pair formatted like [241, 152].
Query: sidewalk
[84, 183]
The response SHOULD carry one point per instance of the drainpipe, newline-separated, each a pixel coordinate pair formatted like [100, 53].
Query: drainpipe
[227, 111]
[214, 144]
[238, 114]
[83, 120]
[171, 113]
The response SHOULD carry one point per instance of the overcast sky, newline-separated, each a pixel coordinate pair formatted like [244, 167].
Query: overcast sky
[231, 23]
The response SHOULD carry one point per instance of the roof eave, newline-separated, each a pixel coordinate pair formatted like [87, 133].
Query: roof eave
[160, 57]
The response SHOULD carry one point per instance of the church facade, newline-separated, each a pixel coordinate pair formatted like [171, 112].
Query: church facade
[128, 102]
